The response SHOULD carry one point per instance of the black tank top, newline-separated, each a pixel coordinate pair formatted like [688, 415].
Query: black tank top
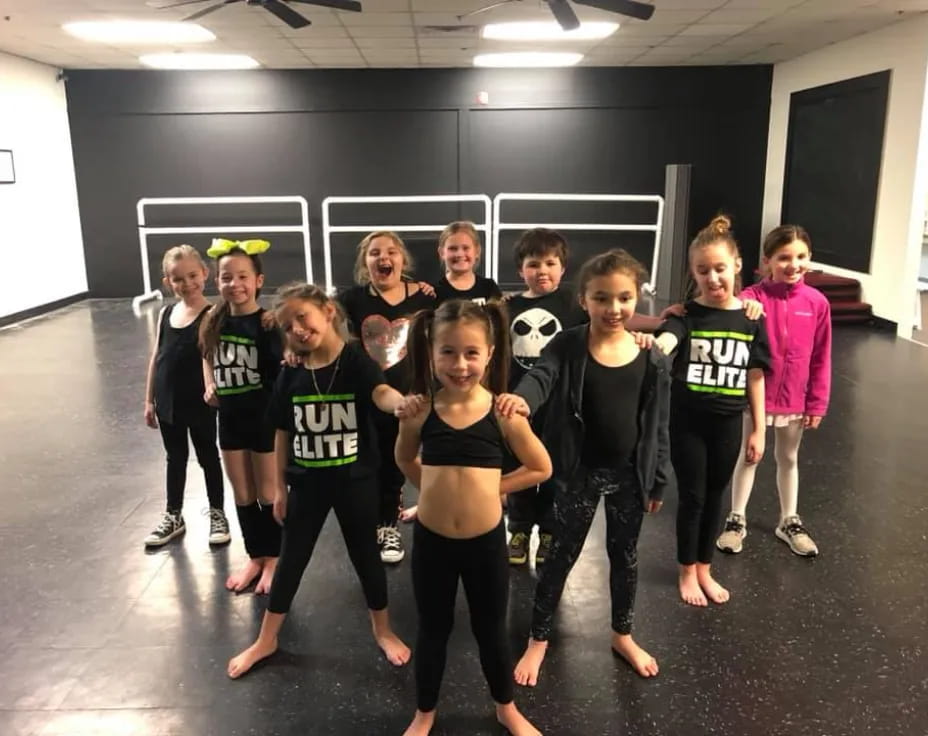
[179, 370]
[478, 446]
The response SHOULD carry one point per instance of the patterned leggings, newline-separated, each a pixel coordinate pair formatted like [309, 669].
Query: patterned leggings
[573, 515]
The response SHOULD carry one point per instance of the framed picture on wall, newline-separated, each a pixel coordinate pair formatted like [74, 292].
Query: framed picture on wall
[7, 172]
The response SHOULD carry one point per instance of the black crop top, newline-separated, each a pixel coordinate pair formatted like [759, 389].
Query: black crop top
[478, 446]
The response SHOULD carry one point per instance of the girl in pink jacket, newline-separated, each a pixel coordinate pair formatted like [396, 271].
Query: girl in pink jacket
[797, 387]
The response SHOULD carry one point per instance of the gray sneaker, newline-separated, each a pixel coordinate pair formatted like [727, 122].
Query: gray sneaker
[172, 525]
[736, 529]
[795, 535]
[218, 527]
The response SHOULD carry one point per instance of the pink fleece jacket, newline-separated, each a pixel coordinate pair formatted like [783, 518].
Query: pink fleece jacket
[799, 329]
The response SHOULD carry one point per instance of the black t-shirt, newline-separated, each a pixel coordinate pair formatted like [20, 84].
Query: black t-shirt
[533, 321]
[716, 349]
[246, 363]
[328, 417]
[178, 388]
[382, 329]
[481, 292]
[611, 397]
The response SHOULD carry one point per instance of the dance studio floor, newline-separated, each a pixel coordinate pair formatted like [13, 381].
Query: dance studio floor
[99, 637]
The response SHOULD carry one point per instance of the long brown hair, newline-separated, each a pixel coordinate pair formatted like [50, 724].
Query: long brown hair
[315, 295]
[492, 316]
[608, 263]
[212, 324]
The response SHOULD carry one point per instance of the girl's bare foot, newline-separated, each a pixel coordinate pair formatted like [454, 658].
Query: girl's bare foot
[421, 725]
[393, 648]
[690, 591]
[241, 663]
[237, 582]
[714, 592]
[514, 722]
[642, 662]
[267, 576]
[526, 672]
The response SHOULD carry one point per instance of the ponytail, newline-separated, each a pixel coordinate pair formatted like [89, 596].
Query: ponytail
[419, 348]
[497, 375]
[210, 328]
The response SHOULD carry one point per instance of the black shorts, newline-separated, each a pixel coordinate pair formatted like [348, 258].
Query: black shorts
[245, 431]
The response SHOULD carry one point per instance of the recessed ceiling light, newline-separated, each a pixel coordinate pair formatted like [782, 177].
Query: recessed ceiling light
[130, 31]
[199, 61]
[528, 59]
[544, 31]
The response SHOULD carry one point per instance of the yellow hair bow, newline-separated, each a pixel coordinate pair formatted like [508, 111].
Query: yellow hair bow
[221, 246]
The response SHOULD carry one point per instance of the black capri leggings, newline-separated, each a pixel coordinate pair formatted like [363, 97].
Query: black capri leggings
[703, 448]
[482, 565]
[307, 508]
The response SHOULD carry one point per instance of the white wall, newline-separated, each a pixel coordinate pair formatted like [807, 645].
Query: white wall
[897, 237]
[40, 231]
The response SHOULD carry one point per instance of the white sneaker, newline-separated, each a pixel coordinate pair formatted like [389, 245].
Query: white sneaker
[391, 544]
[218, 526]
[736, 529]
[795, 535]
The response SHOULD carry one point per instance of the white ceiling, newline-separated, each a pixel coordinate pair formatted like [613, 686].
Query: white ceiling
[396, 33]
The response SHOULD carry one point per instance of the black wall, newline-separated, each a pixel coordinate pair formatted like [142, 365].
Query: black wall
[386, 132]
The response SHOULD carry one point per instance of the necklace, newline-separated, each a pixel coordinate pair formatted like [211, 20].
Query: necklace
[312, 372]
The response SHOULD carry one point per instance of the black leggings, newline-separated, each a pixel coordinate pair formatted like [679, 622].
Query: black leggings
[482, 565]
[704, 448]
[202, 432]
[574, 509]
[389, 477]
[307, 509]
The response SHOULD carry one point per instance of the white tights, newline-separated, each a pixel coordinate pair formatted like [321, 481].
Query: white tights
[786, 452]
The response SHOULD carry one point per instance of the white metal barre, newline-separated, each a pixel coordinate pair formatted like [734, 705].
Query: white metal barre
[145, 231]
[328, 228]
[499, 224]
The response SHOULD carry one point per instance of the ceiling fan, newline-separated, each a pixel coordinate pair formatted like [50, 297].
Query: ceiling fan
[567, 18]
[277, 7]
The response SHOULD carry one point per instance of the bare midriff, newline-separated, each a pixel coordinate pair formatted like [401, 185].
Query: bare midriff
[460, 502]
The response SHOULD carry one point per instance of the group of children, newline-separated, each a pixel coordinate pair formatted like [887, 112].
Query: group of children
[543, 399]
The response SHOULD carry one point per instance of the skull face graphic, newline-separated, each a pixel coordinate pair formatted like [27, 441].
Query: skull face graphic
[531, 331]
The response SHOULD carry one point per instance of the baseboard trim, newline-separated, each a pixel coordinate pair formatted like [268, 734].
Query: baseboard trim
[42, 309]
[884, 324]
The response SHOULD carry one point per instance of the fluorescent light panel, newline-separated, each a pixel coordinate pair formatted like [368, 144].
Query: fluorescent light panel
[130, 31]
[199, 61]
[544, 31]
[528, 59]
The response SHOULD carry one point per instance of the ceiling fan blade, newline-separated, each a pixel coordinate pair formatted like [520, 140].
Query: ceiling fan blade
[631, 8]
[288, 16]
[353, 5]
[210, 9]
[564, 14]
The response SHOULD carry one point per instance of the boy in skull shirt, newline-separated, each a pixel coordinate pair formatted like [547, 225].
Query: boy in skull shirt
[535, 316]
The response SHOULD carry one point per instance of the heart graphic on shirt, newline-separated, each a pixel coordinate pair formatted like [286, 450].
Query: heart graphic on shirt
[385, 341]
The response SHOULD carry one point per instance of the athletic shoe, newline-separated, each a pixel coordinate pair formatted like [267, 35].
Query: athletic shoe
[518, 548]
[218, 527]
[543, 553]
[735, 532]
[795, 535]
[391, 544]
[172, 525]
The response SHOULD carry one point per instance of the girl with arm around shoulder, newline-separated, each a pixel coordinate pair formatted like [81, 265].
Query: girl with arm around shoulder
[459, 532]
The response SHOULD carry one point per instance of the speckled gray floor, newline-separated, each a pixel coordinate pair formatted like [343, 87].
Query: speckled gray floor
[97, 637]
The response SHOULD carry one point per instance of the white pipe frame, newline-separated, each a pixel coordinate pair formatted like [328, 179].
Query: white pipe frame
[499, 224]
[327, 228]
[145, 231]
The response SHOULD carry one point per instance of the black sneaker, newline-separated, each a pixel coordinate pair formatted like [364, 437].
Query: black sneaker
[218, 527]
[391, 544]
[172, 525]
[518, 548]
[543, 553]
